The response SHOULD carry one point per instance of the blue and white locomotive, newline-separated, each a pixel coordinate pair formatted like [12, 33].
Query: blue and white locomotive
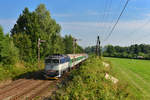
[56, 65]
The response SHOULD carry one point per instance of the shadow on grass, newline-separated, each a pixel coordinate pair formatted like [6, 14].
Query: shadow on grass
[36, 75]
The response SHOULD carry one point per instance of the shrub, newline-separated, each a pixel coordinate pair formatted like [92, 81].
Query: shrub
[89, 83]
[9, 53]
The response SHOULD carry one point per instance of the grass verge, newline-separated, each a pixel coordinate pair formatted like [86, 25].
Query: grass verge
[88, 83]
[13, 72]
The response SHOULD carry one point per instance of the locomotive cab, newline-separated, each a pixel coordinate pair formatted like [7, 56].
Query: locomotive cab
[51, 67]
[55, 65]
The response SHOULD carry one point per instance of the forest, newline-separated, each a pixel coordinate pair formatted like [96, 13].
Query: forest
[20, 45]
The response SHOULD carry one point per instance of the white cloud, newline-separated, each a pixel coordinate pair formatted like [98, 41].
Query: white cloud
[147, 15]
[125, 33]
[7, 24]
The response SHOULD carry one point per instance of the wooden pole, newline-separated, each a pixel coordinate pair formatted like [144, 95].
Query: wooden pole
[39, 52]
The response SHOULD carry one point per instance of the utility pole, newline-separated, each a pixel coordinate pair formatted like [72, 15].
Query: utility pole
[98, 51]
[39, 42]
[75, 44]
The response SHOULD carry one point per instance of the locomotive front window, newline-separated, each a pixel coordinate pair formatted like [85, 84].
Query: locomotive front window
[54, 61]
[48, 61]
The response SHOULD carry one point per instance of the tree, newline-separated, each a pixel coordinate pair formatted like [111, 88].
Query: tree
[69, 46]
[37, 24]
[1, 40]
[8, 52]
[132, 51]
[110, 50]
[79, 49]
[57, 45]
[68, 43]
[23, 43]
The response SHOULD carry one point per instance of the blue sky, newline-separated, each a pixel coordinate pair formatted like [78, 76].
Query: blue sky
[85, 19]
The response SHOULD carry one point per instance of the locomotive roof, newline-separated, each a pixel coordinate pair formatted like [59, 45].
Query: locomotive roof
[56, 56]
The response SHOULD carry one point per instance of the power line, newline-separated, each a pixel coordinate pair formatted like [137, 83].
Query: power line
[140, 38]
[113, 18]
[104, 13]
[105, 16]
[108, 8]
[140, 27]
[117, 20]
[137, 30]
[108, 13]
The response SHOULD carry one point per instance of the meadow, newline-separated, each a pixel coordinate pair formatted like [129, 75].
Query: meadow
[135, 73]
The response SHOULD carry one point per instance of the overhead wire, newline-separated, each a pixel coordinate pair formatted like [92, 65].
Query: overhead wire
[107, 15]
[137, 28]
[114, 26]
[143, 36]
[140, 27]
[113, 18]
[104, 14]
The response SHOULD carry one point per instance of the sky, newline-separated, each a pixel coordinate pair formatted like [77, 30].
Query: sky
[85, 19]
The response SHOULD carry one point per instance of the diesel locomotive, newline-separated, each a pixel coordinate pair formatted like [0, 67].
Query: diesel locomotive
[56, 65]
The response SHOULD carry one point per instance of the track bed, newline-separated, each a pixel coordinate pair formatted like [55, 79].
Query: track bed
[27, 89]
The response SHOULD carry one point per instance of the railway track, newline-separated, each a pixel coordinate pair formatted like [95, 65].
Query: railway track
[29, 89]
[16, 81]
[12, 86]
[21, 95]
[24, 90]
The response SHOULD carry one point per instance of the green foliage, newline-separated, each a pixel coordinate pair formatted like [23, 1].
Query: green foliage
[1, 40]
[68, 41]
[79, 49]
[134, 51]
[8, 52]
[16, 71]
[91, 49]
[23, 43]
[31, 26]
[89, 83]
[22, 47]
[35, 25]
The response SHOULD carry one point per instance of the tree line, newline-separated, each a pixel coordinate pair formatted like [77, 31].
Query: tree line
[141, 51]
[21, 43]
[134, 51]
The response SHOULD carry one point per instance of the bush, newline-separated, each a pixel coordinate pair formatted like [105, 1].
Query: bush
[17, 70]
[9, 53]
[89, 83]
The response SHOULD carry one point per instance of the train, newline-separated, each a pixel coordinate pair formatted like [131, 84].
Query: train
[56, 65]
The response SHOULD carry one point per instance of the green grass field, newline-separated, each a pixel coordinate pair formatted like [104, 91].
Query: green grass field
[136, 73]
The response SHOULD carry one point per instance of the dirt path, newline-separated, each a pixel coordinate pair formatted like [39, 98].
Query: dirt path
[26, 89]
[34, 87]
